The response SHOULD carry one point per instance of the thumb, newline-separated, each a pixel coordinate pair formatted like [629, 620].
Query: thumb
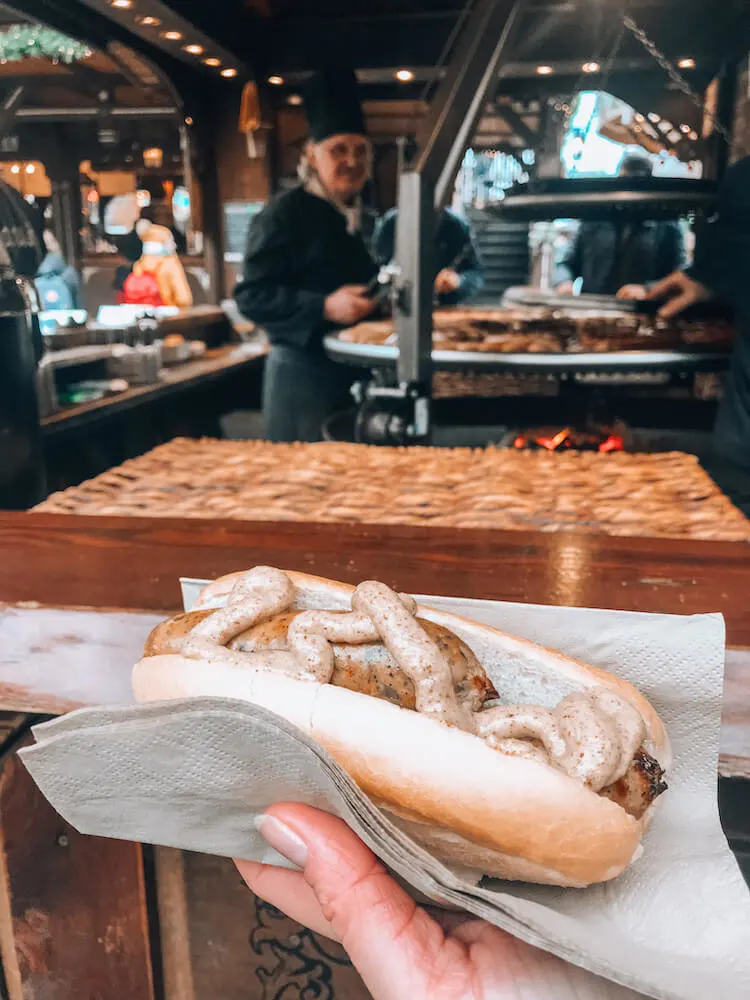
[392, 942]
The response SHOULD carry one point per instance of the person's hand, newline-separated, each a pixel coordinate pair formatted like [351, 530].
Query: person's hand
[681, 291]
[447, 281]
[401, 951]
[348, 305]
[637, 292]
[566, 288]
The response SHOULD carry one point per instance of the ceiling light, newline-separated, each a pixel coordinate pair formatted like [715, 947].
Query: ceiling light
[544, 70]
[686, 63]
[276, 81]
[121, 4]
[639, 118]
[172, 36]
[212, 61]
[228, 73]
[653, 117]
[404, 75]
[30, 168]
[685, 129]
[15, 169]
[149, 22]
[295, 100]
[195, 50]
[591, 67]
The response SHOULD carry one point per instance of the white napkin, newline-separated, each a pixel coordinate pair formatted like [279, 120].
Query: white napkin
[676, 926]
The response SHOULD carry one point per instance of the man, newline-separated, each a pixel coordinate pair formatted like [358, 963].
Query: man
[622, 258]
[307, 265]
[459, 272]
[721, 269]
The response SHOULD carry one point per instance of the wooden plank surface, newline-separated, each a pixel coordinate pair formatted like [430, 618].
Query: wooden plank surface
[241, 947]
[67, 560]
[72, 908]
[57, 659]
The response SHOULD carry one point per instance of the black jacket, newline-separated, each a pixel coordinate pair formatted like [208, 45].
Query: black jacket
[454, 248]
[299, 252]
[722, 263]
[607, 256]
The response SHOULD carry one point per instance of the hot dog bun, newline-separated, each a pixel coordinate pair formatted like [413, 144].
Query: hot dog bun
[471, 805]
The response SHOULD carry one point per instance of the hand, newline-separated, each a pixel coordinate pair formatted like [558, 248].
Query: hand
[401, 951]
[566, 288]
[447, 281]
[682, 293]
[348, 305]
[638, 292]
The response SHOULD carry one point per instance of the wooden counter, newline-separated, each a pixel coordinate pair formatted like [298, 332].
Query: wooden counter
[173, 379]
[218, 941]
[102, 562]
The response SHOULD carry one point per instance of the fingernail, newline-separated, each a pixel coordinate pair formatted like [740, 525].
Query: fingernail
[282, 839]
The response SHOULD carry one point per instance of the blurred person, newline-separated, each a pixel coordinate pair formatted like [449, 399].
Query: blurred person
[57, 282]
[622, 258]
[307, 264]
[459, 271]
[720, 270]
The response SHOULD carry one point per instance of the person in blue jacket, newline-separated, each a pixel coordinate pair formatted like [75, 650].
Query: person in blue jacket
[457, 265]
[721, 270]
[56, 281]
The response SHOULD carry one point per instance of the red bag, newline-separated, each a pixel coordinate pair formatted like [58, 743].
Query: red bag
[142, 290]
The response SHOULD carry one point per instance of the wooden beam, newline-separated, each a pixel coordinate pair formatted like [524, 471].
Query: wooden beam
[516, 124]
[10, 107]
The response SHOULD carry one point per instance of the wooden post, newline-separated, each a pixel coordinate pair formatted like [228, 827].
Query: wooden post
[174, 924]
[73, 919]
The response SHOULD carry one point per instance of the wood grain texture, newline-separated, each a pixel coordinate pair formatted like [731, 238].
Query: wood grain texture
[174, 924]
[242, 947]
[73, 906]
[66, 560]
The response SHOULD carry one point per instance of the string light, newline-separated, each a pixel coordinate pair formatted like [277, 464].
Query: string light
[195, 50]
[685, 129]
[276, 81]
[212, 61]
[228, 73]
[172, 36]
[122, 4]
[149, 22]
[686, 63]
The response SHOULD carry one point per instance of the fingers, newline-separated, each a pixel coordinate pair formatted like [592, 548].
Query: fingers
[679, 304]
[393, 944]
[672, 283]
[289, 892]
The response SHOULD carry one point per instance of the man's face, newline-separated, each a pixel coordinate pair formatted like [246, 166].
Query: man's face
[343, 164]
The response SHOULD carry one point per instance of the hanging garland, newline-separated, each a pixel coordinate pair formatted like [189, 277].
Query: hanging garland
[29, 41]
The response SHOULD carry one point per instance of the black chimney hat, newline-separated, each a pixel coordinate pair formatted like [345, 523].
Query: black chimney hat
[333, 105]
